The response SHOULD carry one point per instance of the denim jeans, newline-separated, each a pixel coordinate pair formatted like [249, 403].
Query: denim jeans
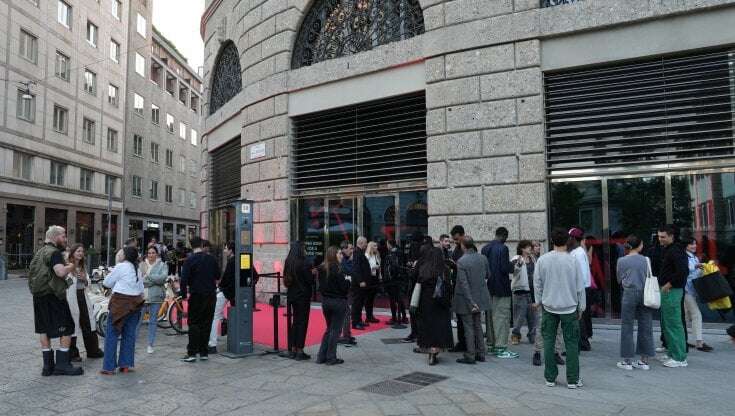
[152, 309]
[523, 313]
[334, 310]
[127, 344]
[632, 308]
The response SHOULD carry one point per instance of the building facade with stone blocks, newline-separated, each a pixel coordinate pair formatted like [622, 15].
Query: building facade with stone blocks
[398, 119]
[162, 138]
[62, 117]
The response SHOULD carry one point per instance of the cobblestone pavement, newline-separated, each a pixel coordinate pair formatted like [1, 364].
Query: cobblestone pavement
[270, 385]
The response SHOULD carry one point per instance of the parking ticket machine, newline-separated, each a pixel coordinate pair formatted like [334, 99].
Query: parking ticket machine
[240, 328]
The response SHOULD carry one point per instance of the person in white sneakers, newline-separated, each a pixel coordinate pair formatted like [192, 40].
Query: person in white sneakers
[632, 272]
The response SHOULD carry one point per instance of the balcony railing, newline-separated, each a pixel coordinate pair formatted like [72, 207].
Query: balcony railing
[552, 3]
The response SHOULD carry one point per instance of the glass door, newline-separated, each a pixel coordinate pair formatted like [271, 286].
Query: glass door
[342, 221]
[312, 220]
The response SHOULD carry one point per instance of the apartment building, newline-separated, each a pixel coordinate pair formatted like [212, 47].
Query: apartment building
[61, 150]
[162, 149]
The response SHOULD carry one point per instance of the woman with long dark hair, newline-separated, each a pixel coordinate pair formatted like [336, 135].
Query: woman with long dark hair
[125, 304]
[298, 278]
[434, 311]
[81, 307]
[333, 287]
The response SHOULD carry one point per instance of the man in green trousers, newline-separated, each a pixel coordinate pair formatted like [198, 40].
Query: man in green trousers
[672, 278]
[559, 286]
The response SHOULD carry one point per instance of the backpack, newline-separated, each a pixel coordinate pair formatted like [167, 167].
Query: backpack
[41, 277]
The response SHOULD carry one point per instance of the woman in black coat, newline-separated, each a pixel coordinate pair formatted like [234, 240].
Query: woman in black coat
[333, 286]
[298, 278]
[434, 310]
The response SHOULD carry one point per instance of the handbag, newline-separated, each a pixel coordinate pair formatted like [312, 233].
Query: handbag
[415, 296]
[651, 291]
[712, 286]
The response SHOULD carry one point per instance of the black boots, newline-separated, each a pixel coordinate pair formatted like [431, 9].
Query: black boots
[92, 345]
[63, 365]
[48, 363]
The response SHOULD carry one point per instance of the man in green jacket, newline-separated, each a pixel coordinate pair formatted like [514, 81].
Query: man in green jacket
[47, 281]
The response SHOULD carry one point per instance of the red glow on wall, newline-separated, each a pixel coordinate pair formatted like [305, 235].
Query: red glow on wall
[278, 266]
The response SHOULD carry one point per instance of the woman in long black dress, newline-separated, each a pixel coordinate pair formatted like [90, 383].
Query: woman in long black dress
[299, 279]
[434, 311]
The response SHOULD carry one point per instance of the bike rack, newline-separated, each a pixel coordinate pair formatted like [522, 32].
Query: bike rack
[275, 302]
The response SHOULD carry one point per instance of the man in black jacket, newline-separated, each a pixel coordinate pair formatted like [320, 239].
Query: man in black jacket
[199, 276]
[361, 275]
[453, 257]
[672, 278]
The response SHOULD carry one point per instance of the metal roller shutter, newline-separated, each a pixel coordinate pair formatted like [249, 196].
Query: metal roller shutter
[663, 110]
[370, 143]
[224, 174]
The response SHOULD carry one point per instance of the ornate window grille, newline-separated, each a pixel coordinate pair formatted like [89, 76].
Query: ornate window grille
[552, 3]
[336, 28]
[226, 77]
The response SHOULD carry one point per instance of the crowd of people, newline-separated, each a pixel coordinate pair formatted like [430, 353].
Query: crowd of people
[449, 281]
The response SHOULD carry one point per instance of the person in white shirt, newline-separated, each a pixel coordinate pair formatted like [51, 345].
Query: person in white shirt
[578, 250]
[125, 305]
[373, 256]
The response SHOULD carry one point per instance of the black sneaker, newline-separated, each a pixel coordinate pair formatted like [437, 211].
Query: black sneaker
[189, 358]
[212, 350]
[336, 361]
[300, 356]
[537, 358]
[203, 357]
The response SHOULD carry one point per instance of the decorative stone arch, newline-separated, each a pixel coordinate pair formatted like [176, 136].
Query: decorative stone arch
[226, 77]
[336, 28]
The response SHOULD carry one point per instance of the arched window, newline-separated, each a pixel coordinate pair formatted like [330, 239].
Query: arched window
[226, 77]
[335, 28]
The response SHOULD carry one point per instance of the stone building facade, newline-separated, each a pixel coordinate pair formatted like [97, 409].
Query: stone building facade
[61, 135]
[162, 151]
[508, 132]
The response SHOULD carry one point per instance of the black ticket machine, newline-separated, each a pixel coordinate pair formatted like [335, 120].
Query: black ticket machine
[240, 328]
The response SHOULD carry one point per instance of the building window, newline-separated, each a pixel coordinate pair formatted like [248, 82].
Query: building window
[88, 130]
[192, 200]
[182, 197]
[112, 140]
[64, 13]
[170, 123]
[194, 103]
[154, 152]
[137, 186]
[138, 104]
[114, 50]
[169, 158]
[85, 179]
[90, 82]
[137, 145]
[182, 130]
[226, 77]
[61, 119]
[58, 171]
[139, 64]
[112, 94]
[26, 106]
[116, 6]
[22, 163]
[169, 194]
[62, 67]
[28, 46]
[110, 182]
[154, 190]
[141, 25]
[155, 114]
[92, 33]
[330, 30]
[194, 137]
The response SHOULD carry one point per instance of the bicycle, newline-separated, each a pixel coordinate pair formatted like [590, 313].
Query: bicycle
[173, 312]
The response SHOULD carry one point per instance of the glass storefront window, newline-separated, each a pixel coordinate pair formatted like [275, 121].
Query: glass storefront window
[580, 204]
[113, 240]
[168, 234]
[19, 232]
[379, 218]
[135, 230]
[342, 224]
[702, 206]
[311, 232]
[85, 229]
[414, 219]
[221, 230]
[55, 217]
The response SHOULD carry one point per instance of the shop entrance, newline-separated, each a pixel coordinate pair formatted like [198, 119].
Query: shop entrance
[20, 220]
[701, 204]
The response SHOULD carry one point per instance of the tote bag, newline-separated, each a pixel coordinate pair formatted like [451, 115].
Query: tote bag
[651, 291]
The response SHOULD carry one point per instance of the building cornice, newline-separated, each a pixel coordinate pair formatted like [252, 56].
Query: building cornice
[207, 15]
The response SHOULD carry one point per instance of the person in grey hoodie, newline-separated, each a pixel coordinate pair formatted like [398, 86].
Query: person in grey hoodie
[559, 286]
[471, 298]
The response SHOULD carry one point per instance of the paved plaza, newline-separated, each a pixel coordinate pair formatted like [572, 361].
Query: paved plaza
[270, 386]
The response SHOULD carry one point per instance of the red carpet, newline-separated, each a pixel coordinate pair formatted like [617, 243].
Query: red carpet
[263, 326]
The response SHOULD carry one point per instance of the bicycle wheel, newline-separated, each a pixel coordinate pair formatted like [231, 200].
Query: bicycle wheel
[163, 321]
[178, 318]
[102, 324]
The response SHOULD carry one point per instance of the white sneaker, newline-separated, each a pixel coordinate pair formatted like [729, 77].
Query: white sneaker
[576, 385]
[150, 349]
[641, 365]
[663, 357]
[625, 366]
[550, 383]
[661, 349]
[671, 363]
